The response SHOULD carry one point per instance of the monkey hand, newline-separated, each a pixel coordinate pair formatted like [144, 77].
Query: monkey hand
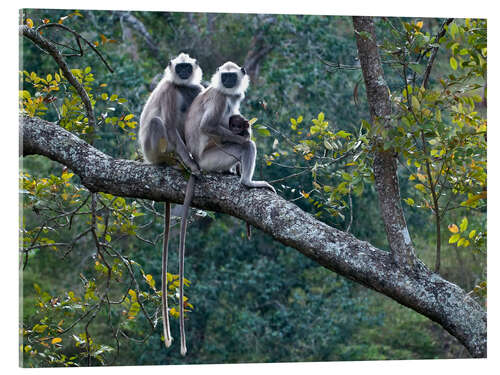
[195, 170]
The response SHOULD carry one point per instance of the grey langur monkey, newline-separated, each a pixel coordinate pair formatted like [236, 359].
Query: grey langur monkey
[208, 137]
[161, 137]
[213, 145]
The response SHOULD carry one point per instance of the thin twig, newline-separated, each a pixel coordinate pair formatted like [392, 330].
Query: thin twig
[427, 73]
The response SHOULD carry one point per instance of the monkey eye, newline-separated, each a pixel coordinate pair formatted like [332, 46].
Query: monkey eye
[243, 70]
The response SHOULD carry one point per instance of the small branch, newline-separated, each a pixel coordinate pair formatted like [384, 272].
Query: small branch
[46, 45]
[78, 37]
[428, 69]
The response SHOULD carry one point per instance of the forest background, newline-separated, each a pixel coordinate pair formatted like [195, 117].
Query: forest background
[278, 291]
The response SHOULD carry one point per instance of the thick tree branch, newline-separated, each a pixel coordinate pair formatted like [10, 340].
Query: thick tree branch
[421, 290]
[259, 47]
[138, 26]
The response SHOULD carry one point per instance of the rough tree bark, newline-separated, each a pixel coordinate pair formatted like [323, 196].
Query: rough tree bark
[384, 162]
[420, 290]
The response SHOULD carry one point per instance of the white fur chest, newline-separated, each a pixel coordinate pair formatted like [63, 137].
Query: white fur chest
[232, 108]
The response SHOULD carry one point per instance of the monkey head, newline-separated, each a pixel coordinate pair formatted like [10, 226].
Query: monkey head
[239, 125]
[183, 70]
[230, 79]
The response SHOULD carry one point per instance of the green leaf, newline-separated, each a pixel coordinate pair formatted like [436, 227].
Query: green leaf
[409, 201]
[39, 328]
[438, 115]
[415, 103]
[453, 63]
[343, 134]
[454, 238]
[262, 130]
[464, 224]
[346, 176]
[420, 187]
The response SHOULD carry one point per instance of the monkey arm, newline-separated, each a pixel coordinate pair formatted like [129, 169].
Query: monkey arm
[210, 125]
[168, 105]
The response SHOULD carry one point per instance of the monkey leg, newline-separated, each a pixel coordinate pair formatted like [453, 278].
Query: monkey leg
[223, 157]
[164, 304]
[155, 142]
[248, 153]
[181, 149]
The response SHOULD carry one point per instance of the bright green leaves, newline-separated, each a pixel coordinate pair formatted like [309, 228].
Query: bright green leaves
[320, 125]
[67, 106]
[460, 236]
[453, 63]
[454, 238]
[409, 201]
[317, 145]
[463, 225]
[415, 103]
[260, 129]
[295, 122]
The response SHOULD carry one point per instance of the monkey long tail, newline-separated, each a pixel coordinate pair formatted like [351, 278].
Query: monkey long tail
[164, 304]
[182, 242]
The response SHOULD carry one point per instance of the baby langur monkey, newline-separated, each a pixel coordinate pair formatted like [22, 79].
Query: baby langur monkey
[161, 137]
[240, 126]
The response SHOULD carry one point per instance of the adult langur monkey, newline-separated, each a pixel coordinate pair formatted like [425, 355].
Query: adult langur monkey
[161, 137]
[208, 137]
[214, 146]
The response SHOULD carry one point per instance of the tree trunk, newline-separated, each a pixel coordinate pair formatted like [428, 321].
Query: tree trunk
[420, 290]
[384, 162]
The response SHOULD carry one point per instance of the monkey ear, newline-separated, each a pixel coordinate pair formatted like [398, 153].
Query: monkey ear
[195, 62]
[170, 63]
[243, 70]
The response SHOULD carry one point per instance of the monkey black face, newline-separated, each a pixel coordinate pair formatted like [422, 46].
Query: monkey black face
[184, 70]
[229, 80]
